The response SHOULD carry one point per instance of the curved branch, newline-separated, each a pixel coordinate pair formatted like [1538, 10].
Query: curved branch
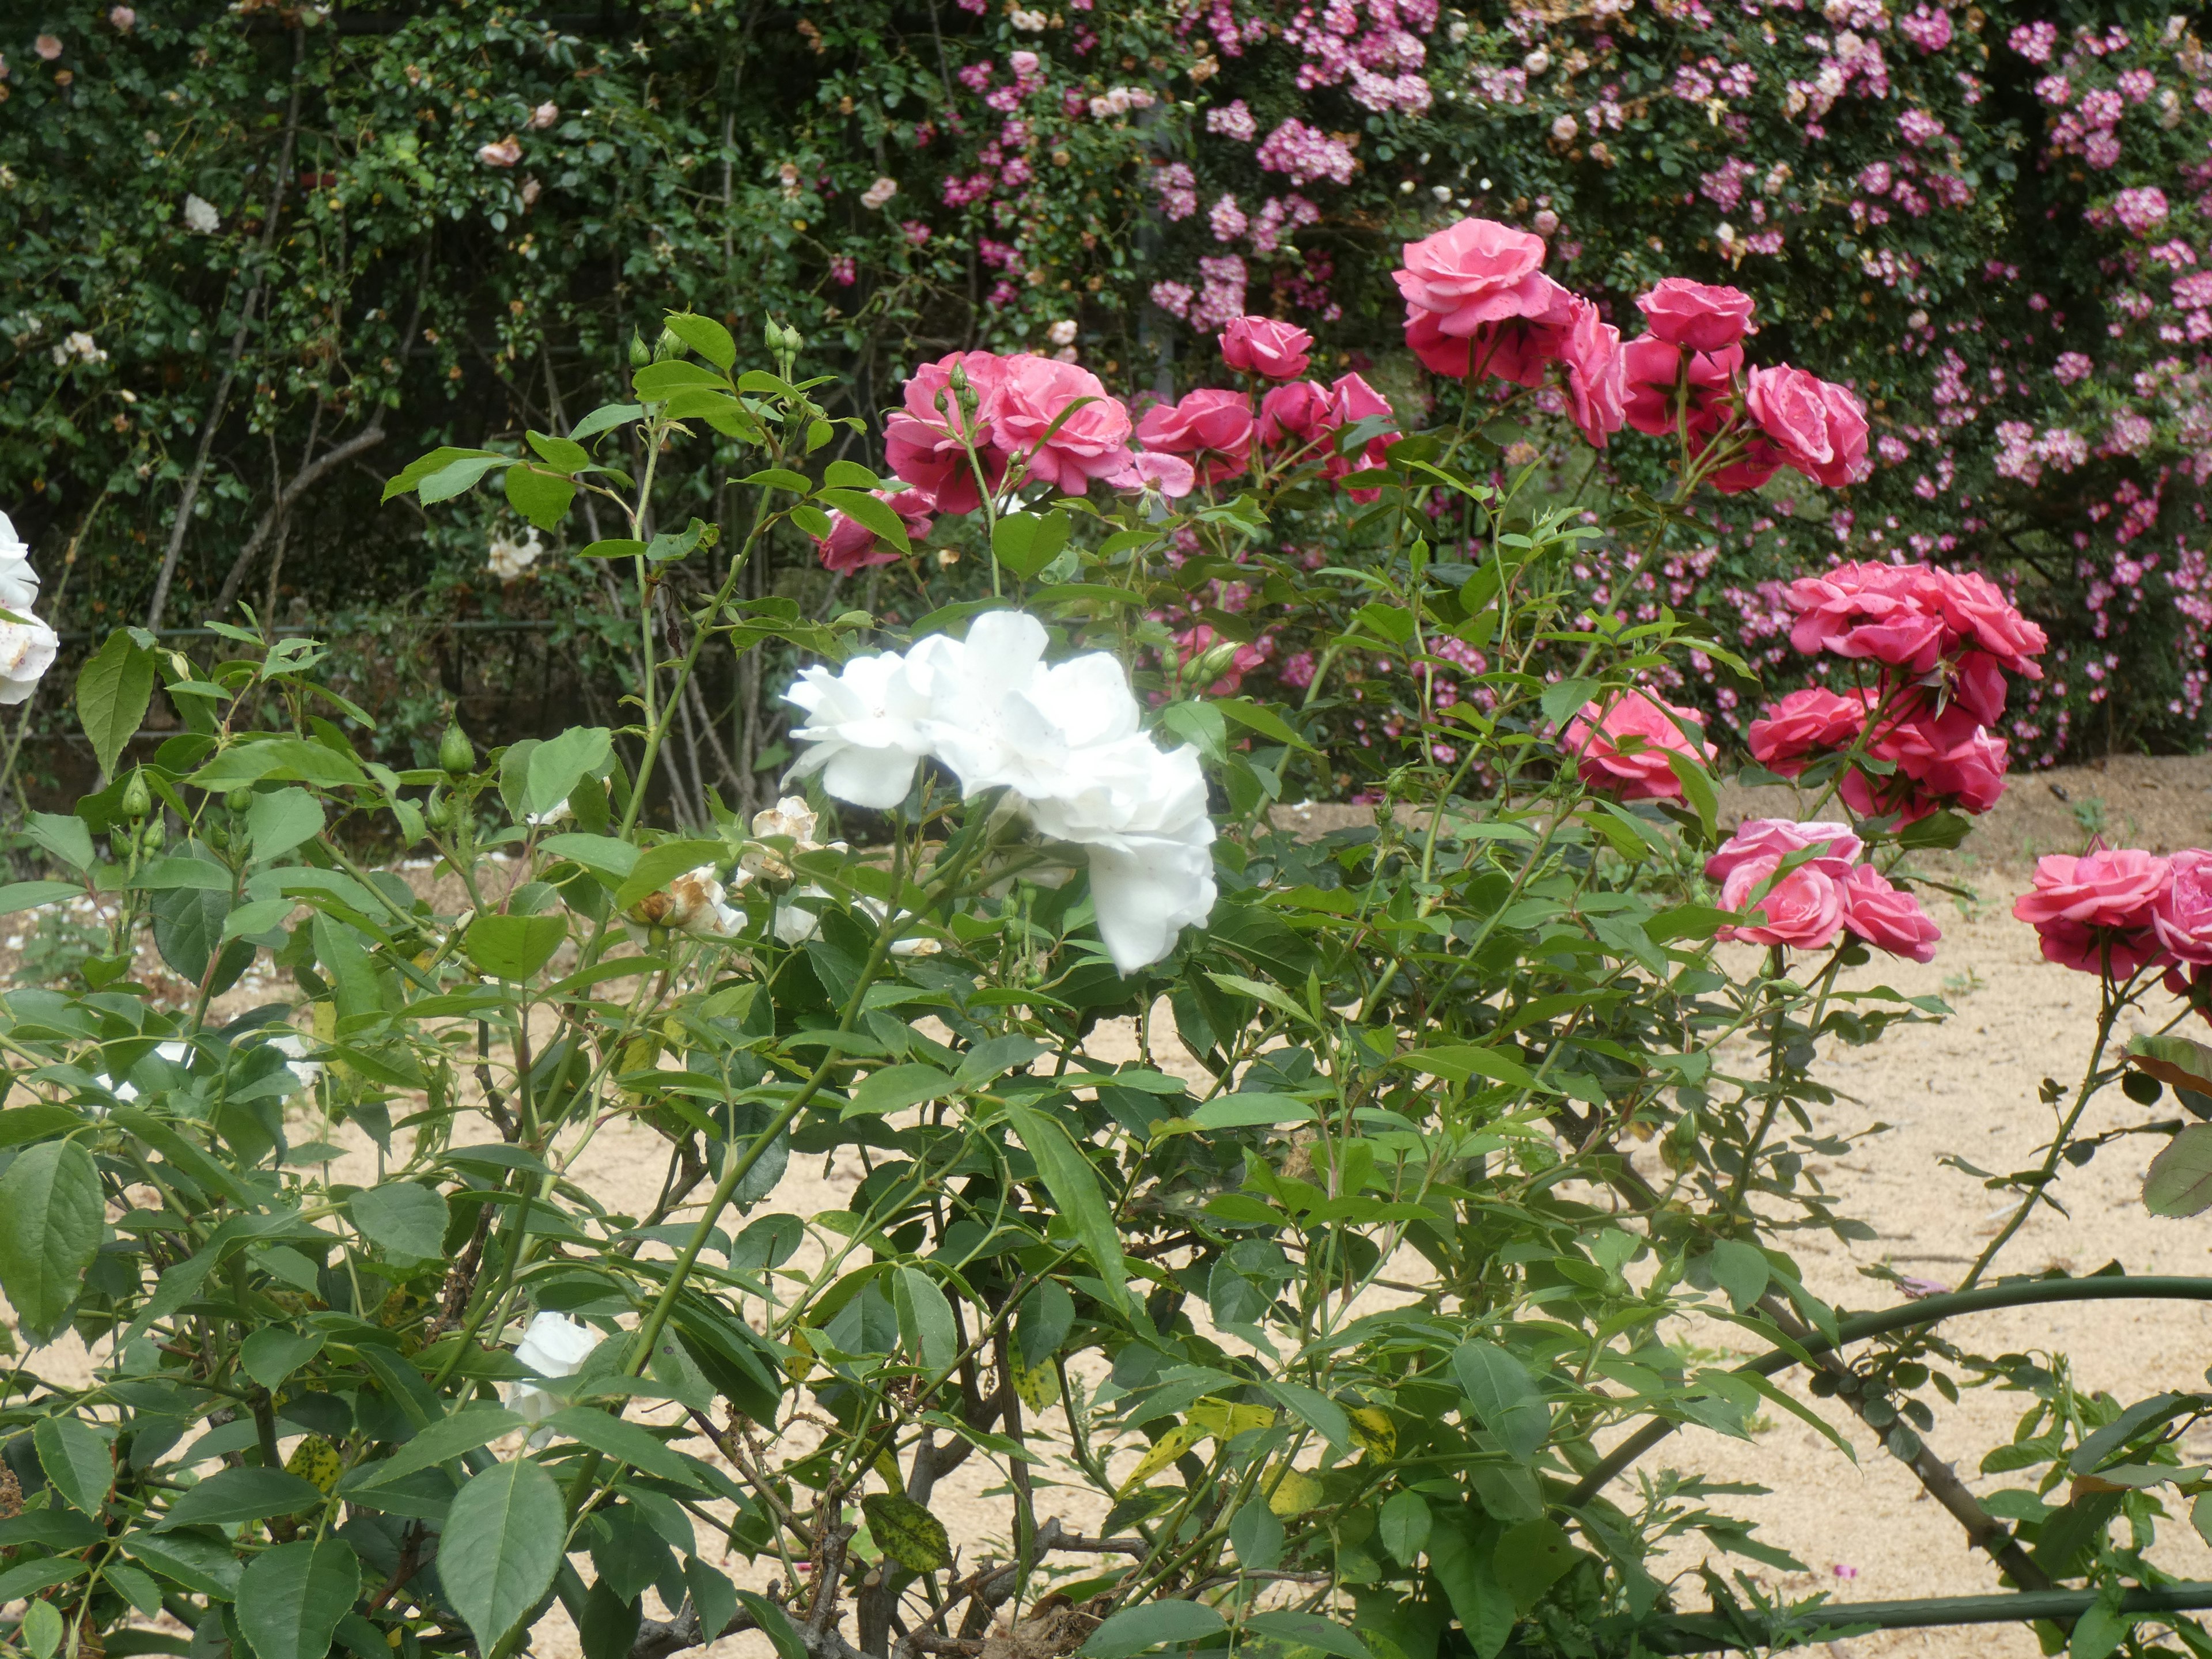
[303, 480]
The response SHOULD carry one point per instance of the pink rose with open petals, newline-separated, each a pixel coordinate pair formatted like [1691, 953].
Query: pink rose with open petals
[1621, 746]
[1261, 345]
[1805, 724]
[1296, 413]
[922, 442]
[1475, 272]
[1886, 917]
[1976, 609]
[1032, 394]
[2097, 909]
[1838, 848]
[1167, 475]
[1216, 426]
[851, 545]
[1696, 315]
[1818, 426]
[1589, 349]
[1352, 400]
[1514, 349]
[2181, 916]
[1650, 370]
[1803, 909]
[1867, 609]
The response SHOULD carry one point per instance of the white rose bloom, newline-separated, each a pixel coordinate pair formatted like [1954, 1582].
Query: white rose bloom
[27, 651]
[794, 925]
[293, 1048]
[559, 811]
[200, 216]
[507, 558]
[554, 1345]
[869, 722]
[19, 583]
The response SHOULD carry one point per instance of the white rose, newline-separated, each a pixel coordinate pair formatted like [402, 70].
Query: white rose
[201, 216]
[553, 1345]
[865, 722]
[27, 648]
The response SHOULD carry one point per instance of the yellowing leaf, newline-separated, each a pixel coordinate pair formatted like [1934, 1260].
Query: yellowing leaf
[1039, 1387]
[1297, 1493]
[1172, 1444]
[887, 1471]
[1225, 1421]
[802, 1357]
[316, 1462]
[1372, 1428]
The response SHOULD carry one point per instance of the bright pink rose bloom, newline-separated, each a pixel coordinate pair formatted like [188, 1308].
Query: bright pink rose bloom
[1638, 770]
[1515, 350]
[2192, 983]
[1777, 838]
[851, 545]
[2181, 916]
[1650, 368]
[1886, 917]
[1032, 393]
[1976, 609]
[1940, 760]
[1804, 909]
[1818, 426]
[1813, 721]
[1169, 476]
[1261, 345]
[1756, 462]
[1589, 350]
[1216, 425]
[1967, 771]
[2100, 907]
[1694, 315]
[1978, 685]
[922, 442]
[1352, 400]
[1475, 272]
[1296, 413]
[1867, 609]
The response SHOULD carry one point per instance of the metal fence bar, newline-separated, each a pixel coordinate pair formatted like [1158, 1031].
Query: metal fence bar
[79, 636]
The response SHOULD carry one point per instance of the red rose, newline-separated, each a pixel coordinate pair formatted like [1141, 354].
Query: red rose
[1296, 413]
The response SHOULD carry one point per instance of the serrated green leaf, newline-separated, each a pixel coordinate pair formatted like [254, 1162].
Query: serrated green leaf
[114, 690]
[51, 1212]
[501, 1547]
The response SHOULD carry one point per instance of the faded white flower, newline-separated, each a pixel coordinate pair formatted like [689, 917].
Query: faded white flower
[27, 648]
[293, 1048]
[545, 115]
[879, 193]
[1062, 333]
[559, 811]
[1032, 22]
[696, 903]
[200, 216]
[506, 558]
[553, 1345]
[505, 153]
[19, 582]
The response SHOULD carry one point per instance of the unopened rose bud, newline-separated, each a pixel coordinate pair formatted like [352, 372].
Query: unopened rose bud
[772, 335]
[137, 799]
[438, 811]
[669, 345]
[456, 754]
[640, 357]
[238, 801]
[793, 341]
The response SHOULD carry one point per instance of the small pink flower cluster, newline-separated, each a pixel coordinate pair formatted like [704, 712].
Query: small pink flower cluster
[1478, 303]
[2119, 910]
[1826, 891]
[1942, 642]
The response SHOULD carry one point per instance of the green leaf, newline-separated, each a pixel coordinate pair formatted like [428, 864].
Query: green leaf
[658, 866]
[198, 1563]
[457, 477]
[513, 947]
[290, 1598]
[780, 477]
[51, 1212]
[2098, 1632]
[2179, 1181]
[293, 760]
[114, 690]
[280, 820]
[658, 382]
[1025, 542]
[188, 931]
[63, 836]
[444, 1440]
[626, 1442]
[1697, 789]
[425, 466]
[1504, 1396]
[776, 1623]
[906, 1532]
[1742, 1270]
[242, 1495]
[850, 475]
[557, 765]
[1316, 1410]
[273, 1353]
[542, 498]
[2176, 1061]
[1393, 624]
[875, 515]
[1563, 699]
[898, 1087]
[501, 1547]
[708, 337]
[1257, 1535]
[925, 1318]
[1530, 1559]
[613, 547]
[1405, 1524]
[563, 454]
[1307, 1630]
[1068, 1176]
[605, 418]
[18, 896]
[42, 1624]
[78, 1458]
[1152, 1625]
[406, 1220]
[1258, 717]
[1459, 1062]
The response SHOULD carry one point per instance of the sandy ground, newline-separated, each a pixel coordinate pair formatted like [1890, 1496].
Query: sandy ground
[1966, 1087]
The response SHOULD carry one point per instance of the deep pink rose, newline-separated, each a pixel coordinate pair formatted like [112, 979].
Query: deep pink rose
[1475, 272]
[1589, 348]
[1650, 369]
[1867, 609]
[922, 442]
[1777, 838]
[1515, 350]
[2100, 907]
[1804, 909]
[2192, 983]
[1786, 738]
[1886, 917]
[1216, 424]
[2090, 949]
[1976, 609]
[1031, 394]
[1296, 413]
[1817, 425]
[851, 545]
[2181, 916]
[1750, 467]
[1352, 400]
[1622, 746]
[1978, 685]
[1261, 345]
[1940, 760]
[1694, 315]
[1168, 475]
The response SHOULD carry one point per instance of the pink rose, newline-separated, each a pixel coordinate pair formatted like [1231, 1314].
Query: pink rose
[1818, 426]
[1940, 760]
[1352, 400]
[1589, 350]
[2097, 909]
[1877, 611]
[1621, 746]
[922, 442]
[1475, 272]
[1804, 909]
[1694, 315]
[1786, 738]
[851, 545]
[1261, 345]
[2181, 916]
[1650, 369]
[1031, 395]
[1296, 413]
[1886, 917]
[1168, 475]
[1777, 838]
[1976, 609]
[1217, 425]
[1516, 349]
